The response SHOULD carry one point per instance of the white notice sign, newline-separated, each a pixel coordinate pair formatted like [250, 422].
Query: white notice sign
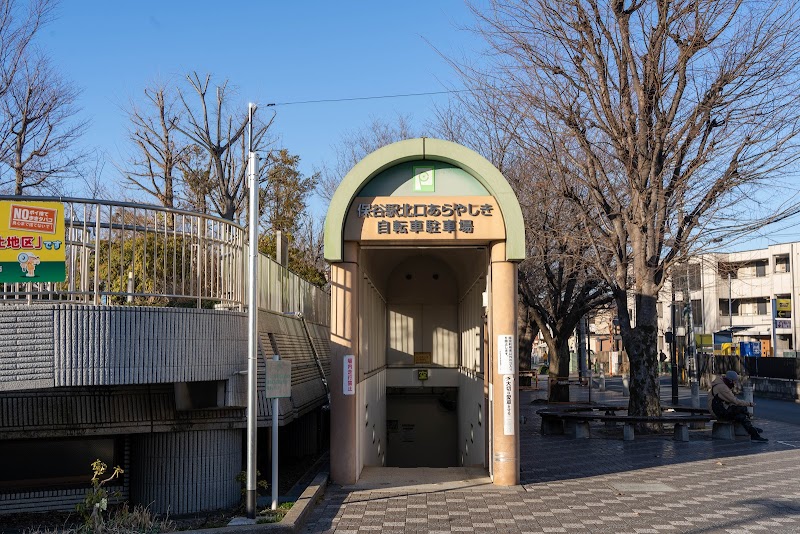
[505, 355]
[278, 379]
[508, 405]
[349, 384]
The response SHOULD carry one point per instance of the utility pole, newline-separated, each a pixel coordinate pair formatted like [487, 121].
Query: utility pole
[252, 329]
[673, 348]
[581, 350]
[691, 353]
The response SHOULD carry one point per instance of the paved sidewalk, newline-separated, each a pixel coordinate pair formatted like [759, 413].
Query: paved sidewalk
[601, 484]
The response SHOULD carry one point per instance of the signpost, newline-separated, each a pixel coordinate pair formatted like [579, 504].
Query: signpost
[278, 385]
[252, 328]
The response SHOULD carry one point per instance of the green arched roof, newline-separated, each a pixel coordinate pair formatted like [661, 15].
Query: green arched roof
[425, 148]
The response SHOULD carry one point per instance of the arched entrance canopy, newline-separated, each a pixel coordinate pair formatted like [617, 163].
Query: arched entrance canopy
[432, 150]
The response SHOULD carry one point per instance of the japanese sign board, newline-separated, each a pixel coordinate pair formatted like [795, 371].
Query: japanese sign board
[436, 218]
[32, 244]
[349, 375]
[505, 355]
[423, 358]
[278, 381]
[508, 405]
[783, 308]
[783, 323]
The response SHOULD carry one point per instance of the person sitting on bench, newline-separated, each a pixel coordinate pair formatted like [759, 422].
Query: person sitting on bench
[726, 407]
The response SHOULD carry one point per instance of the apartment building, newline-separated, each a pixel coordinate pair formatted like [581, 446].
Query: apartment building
[734, 297]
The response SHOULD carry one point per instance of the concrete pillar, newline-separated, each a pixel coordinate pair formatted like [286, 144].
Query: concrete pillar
[345, 465]
[503, 317]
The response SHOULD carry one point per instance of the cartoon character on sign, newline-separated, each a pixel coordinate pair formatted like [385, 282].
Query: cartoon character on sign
[28, 263]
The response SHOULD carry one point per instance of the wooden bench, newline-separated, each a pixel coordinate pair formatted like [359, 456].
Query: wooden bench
[576, 422]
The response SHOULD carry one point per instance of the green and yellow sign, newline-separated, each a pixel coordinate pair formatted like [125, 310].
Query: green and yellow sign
[32, 245]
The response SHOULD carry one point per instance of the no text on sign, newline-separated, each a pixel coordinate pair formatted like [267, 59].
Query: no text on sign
[278, 382]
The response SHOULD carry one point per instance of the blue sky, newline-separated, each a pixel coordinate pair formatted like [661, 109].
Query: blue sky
[272, 52]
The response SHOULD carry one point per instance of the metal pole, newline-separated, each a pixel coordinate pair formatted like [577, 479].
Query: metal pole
[674, 349]
[252, 337]
[581, 331]
[691, 353]
[588, 358]
[730, 309]
[275, 409]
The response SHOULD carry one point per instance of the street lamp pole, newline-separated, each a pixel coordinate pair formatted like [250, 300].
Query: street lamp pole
[252, 330]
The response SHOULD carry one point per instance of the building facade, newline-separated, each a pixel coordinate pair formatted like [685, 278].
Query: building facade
[423, 237]
[735, 299]
[139, 359]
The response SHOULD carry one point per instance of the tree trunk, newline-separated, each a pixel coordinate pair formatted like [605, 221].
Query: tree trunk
[558, 354]
[640, 344]
[525, 336]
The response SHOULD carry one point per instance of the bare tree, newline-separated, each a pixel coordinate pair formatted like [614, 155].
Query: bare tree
[662, 118]
[39, 126]
[356, 144]
[154, 167]
[210, 126]
[18, 26]
[90, 176]
[557, 282]
[195, 169]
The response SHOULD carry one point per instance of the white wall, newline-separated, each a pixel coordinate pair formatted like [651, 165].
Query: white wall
[372, 420]
[472, 413]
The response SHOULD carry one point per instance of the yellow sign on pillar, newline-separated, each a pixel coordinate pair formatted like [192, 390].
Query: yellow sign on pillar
[32, 244]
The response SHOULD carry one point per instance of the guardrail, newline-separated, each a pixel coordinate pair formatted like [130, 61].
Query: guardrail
[123, 253]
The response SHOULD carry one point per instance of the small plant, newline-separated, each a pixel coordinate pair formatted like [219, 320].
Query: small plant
[95, 503]
[274, 516]
[139, 520]
[261, 485]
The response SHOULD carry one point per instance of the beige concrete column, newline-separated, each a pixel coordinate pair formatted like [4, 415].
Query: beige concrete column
[344, 341]
[505, 378]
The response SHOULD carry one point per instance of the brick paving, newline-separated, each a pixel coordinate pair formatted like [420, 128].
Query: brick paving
[602, 485]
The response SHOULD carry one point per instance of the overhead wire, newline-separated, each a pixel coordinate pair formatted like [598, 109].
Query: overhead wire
[373, 97]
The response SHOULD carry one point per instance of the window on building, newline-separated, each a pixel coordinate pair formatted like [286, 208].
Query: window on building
[684, 274]
[55, 463]
[782, 263]
[757, 306]
[697, 313]
[761, 268]
[724, 304]
[724, 269]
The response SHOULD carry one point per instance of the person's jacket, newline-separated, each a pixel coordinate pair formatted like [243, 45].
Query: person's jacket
[721, 390]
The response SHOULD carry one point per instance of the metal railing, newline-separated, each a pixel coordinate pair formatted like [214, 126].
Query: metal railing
[122, 253]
